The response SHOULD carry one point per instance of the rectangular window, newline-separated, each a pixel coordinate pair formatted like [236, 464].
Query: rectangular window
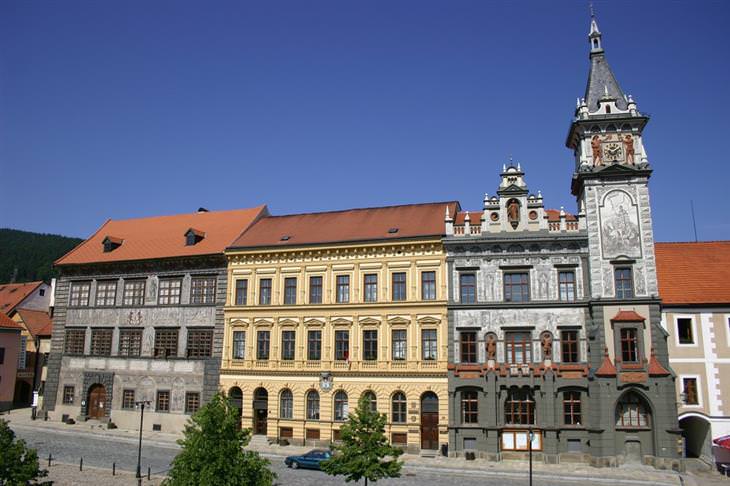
[200, 343]
[428, 285]
[399, 344]
[314, 345]
[241, 291]
[469, 407]
[467, 288]
[571, 408]
[166, 343]
[518, 347]
[68, 395]
[342, 345]
[106, 293]
[101, 342]
[569, 346]
[265, 291]
[79, 295]
[133, 293]
[130, 342]
[290, 290]
[689, 390]
[629, 345]
[239, 344]
[684, 331]
[468, 346]
[399, 438]
[169, 293]
[516, 287]
[429, 345]
[23, 352]
[399, 286]
[202, 290]
[75, 339]
[2, 356]
[288, 341]
[370, 345]
[566, 284]
[163, 401]
[371, 287]
[192, 402]
[315, 290]
[263, 339]
[624, 283]
[343, 289]
[128, 399]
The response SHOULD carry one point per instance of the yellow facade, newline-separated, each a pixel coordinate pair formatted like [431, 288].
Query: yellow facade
[417, 378]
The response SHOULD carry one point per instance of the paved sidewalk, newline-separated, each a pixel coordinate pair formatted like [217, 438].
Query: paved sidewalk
[624, 475]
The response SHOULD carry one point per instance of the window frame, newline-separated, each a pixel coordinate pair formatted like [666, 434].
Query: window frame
[203, 289]
[74, 331]
[640, 404]
[316, 289]
[570, 346]
[521, 408]
[126, 403]
[286, 404]
[428, 286]
[97, 333]
[508, 286]
[79, 293]
[342, 352]
[342, 289]
[66, 398]
[626, 291]
[468, 347]
[240, 293]
[432, 346]
[133, 338]
[172, 293]
[103, 294]
[469, 405]
[567, 289]
[369, 344]
[238, 342]
[159, 400]
[191, 409]
[133, 292]
[341, 406]
[467, 290]
[572, 408]
[698, 403]
[692, 330]
[401, 348]
[263, 353]
[399, 408]
[312, 401]
[370, 288]
[627, 341]
[265, 291]
[288, 344]
[398, 288]
[202, 348]
[162, 342]
[314, 345]
[511, 347]
[290, 291]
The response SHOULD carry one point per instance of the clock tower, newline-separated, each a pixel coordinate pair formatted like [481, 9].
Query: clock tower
[630, 371]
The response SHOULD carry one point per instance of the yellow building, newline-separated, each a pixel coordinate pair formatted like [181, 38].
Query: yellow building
[326, 307]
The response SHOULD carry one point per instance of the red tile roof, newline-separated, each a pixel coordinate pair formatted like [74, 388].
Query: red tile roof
[37, 322]
[367, 224]
[554, 215]
[8, 323]
[655, 367]
[627, 316]
[607, 368]
[11, 295]
[164, 236]
[694, 273]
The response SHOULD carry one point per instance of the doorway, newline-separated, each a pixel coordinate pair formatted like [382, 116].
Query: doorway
[96, 404]
[429, 421]
[260, 411]
[697, 438]
[235, 395]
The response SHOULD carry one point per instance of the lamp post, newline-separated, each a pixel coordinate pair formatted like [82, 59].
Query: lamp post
[530, 435]
[140, 404]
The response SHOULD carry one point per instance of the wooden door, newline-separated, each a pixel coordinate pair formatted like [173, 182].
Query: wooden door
[97, 402]
[260, 418]
[429, 430]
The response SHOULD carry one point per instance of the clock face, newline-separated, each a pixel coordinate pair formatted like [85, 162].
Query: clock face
[613, 152]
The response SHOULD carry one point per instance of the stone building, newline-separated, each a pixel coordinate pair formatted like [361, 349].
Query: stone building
[35, 347]
[554, 320]
[325, 308]
[693, 284]
[139, 317]
[9, 353]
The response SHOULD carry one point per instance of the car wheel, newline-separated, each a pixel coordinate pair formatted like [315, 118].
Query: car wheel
[295, 465]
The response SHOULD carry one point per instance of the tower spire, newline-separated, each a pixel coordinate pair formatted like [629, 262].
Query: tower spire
[594, 35]
[602, 83]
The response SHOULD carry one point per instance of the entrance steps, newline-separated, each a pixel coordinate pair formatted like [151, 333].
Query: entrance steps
[259, 442]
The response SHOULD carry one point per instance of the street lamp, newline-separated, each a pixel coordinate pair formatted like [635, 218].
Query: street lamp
[530, 436]
[530, 432]
[140, 404]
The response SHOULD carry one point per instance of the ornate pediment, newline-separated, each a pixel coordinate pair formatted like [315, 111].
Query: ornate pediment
[314, 321]
[240, 322]
[263, 321]
[341, 321]
[288, 321]
[398, 320]
[428, 320]
[371, 321]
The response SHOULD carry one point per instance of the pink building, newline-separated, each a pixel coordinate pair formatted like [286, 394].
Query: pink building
[9, 351]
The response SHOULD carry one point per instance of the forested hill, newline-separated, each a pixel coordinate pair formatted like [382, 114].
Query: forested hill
[26, 256]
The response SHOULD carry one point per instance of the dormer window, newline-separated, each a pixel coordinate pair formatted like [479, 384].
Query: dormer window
[193, 236]
[111, 243]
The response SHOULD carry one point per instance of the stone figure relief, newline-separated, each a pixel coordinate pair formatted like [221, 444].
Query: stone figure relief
[178, 394]
[153, 290]
[608, 280]
[619, 226]
[149, 341]
[543, 285]
[491, 346]
[513, 212]
[489, 287]
[639, 280]
[546, 342]
[629, 149]
[596, 150]
[146, 389]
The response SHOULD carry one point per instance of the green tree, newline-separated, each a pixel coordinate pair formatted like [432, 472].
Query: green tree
[212, 451]
[365, 451]
[18, 463]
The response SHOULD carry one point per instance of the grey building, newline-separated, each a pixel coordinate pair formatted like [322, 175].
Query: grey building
[139, 317]
[556, 343]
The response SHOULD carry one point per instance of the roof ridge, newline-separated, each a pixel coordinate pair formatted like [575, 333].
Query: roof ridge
[186, 214]
[689, 242]
[362, 209]
[82, 242]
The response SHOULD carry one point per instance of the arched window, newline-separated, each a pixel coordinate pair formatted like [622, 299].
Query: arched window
[341, 405]
[312, 405]
[519, 408]
[632, 412]
[469, 407]
[399, 408]
[286, 404]
[370, 397]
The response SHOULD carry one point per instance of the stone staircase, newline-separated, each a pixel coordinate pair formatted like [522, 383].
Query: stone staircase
[258, 442]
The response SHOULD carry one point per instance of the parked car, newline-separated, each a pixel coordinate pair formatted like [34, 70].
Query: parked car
[310, 460]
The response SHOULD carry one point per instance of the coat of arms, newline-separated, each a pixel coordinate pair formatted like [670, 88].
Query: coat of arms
[325, 381]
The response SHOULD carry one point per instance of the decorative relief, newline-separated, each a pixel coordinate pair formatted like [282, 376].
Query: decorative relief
[493, 320]
[619, 226]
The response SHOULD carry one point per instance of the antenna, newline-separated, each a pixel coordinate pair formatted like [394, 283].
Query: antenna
[694, 223]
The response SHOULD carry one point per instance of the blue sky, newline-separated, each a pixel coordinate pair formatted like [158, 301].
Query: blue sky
[137, 108]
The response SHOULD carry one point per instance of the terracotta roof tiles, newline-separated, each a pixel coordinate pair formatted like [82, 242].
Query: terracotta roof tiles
[8, 323]
[11, 295]
[627, 316]
[694, 273]
[37, 322]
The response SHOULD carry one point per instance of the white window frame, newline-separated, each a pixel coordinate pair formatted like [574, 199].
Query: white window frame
[700, 402]
[675, 330]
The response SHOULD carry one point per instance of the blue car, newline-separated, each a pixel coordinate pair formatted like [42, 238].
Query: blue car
[310, 460]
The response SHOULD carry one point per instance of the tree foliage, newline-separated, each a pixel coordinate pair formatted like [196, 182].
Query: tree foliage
[26, 256]
[212, 451]
[365, 451]
[18, 463]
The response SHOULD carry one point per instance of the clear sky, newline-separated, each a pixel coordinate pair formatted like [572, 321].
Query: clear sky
[139, 108]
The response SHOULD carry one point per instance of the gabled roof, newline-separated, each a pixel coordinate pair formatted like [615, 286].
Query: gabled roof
[694, 273]
[11, 295]
[164, 236]
[601, 82]
[8, 323]
[37, 322]
[351, 225]
[627, 316]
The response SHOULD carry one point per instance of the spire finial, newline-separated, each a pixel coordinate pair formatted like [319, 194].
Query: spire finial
[590, 6]
[594, 36]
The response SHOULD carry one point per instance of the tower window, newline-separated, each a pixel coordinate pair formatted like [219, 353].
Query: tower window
[684, 331]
